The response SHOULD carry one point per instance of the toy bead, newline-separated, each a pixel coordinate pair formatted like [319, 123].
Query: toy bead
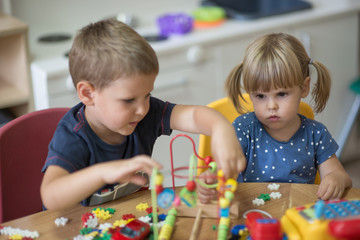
[166, 198]
[189, 198]
[159, 189]
[229, 195]
[191, 185]
[220, 174]
[212, 166]
[168, 226]
[208, 160]
[231, 184]
[224, 203]
[159, 179]
[177, 201]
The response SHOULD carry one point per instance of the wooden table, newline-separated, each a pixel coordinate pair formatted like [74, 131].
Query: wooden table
[292, 195]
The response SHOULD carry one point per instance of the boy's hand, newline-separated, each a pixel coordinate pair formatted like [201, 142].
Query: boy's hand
[125, 170]
[206, 195]
[227, 152]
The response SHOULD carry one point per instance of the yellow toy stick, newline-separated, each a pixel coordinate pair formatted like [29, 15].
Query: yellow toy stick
[195, 229]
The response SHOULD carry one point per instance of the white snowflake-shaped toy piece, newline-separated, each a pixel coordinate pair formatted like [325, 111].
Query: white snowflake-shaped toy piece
[275, 195]
[258, 201]
[61, 221]
[273, 186]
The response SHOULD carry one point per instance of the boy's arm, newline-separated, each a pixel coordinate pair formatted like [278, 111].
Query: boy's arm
[61, 189]
[225, 146]
[334, 179]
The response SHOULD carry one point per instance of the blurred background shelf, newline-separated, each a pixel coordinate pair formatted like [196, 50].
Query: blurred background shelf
[15, 81]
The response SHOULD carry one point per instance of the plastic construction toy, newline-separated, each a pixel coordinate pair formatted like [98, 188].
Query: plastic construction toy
[327, 220]
[165, 198]
[134, 230]
[21, 234]
[263, 228]
[62, 221]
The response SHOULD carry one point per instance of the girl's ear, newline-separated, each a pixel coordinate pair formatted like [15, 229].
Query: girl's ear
[85, 92]
[306, 88]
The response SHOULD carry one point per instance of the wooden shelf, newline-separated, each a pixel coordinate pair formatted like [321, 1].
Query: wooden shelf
[10, 25]
[15, 81]
[11, 96]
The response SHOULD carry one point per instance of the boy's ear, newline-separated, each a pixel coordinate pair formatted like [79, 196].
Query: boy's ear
[306, 88]
[85, 91]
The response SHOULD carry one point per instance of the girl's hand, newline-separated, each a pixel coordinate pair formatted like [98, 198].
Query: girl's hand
[334, 179]
[332, 186]
[205, 194]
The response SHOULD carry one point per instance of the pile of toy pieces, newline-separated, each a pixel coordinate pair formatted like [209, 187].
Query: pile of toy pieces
[17, 233]
[127, 228]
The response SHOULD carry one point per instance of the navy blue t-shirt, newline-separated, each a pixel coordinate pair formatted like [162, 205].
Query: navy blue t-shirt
[75, 145]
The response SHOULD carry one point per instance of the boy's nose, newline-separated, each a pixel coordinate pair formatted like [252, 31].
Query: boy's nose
[141, 109]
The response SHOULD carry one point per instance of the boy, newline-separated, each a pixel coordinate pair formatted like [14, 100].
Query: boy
[104, 142]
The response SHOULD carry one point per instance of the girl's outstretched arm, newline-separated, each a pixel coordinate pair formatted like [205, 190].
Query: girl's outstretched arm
[334, 179]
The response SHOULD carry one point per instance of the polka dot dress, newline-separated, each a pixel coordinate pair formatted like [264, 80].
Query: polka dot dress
[294, 161]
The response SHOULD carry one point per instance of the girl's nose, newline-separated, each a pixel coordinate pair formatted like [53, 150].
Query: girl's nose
[272, 104]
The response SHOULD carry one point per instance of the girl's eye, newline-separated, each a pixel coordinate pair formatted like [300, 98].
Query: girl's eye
[282, 94]
[260, 96]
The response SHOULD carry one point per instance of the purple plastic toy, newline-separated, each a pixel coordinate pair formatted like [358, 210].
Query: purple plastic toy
[179, 23]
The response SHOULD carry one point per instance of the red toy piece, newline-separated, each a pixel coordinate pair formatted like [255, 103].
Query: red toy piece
[345, 228]
[128, 216]
[191, 185]
[150, 210]
[89, 220]
[159, 189]
[251, 218]
[263, 228]
[208, 160]
[134, 230]
[267, 229]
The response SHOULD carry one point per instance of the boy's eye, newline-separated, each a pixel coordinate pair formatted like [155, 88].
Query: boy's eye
[128, 100]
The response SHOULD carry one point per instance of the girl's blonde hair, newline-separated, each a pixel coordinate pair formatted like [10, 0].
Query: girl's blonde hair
[277, 61]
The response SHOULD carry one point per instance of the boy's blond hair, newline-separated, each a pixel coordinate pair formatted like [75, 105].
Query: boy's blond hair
[108, 50]
[277, 61]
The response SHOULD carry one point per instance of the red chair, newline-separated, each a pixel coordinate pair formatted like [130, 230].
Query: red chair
[23, 149]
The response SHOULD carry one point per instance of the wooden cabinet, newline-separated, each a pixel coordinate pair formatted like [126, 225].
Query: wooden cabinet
[15, 84]
[334, 41]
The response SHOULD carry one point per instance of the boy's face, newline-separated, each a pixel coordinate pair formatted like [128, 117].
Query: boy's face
[118, 108]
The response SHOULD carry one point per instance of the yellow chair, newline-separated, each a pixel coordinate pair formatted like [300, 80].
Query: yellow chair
[226, 108]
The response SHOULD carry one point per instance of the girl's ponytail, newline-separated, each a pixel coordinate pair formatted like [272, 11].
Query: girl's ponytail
[233, 87]
[321, 90]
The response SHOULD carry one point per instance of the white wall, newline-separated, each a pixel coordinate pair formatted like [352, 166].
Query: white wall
[67, 16]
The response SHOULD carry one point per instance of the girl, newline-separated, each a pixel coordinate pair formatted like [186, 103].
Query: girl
[279, 144]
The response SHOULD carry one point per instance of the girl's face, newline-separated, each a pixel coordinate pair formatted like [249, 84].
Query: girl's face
[118, 108]
[277, 110]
